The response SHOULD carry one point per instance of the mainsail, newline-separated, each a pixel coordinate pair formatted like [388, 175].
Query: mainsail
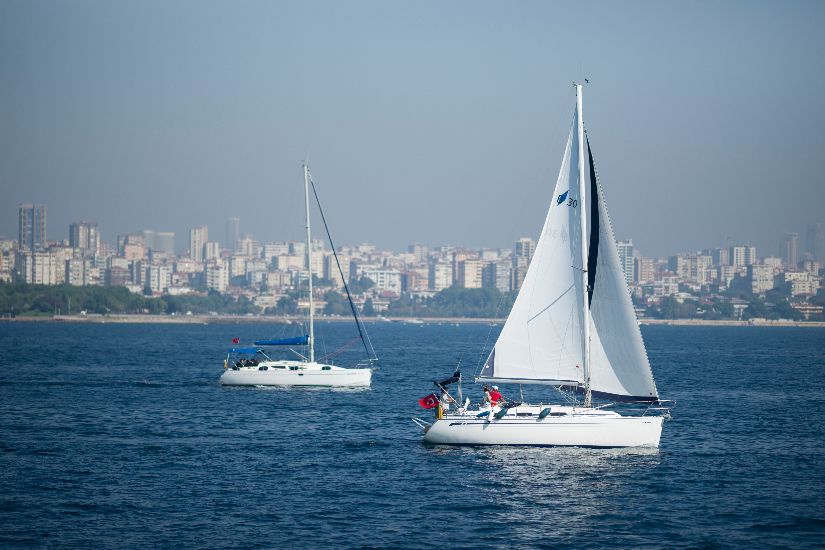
[542, 341]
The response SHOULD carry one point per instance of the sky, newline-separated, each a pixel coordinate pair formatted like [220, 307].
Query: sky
[438, 122]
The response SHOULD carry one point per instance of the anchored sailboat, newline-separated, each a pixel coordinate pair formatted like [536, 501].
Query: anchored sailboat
[572, 327]
[258, 369]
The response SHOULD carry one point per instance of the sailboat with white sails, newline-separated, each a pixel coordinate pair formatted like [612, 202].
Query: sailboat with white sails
[261, 370]
[572, 327]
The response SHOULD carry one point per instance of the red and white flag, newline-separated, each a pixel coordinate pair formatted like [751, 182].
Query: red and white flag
[236, 340]
[429, 402]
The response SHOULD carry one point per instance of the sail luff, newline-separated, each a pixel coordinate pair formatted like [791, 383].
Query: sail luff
[583, 228]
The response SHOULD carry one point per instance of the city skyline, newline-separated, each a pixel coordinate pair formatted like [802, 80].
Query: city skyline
[259, 276]
[419, 121]
[234, 225]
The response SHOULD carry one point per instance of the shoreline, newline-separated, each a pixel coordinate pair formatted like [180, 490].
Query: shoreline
[211, 319]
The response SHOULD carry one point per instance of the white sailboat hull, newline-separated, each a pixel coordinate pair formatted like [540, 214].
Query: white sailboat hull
[334, 377]
[588, 428]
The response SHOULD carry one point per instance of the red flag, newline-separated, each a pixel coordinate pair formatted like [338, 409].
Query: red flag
[429, 402]
[236, 340]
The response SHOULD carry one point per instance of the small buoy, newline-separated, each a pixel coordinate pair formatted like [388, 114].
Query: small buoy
[544, 413]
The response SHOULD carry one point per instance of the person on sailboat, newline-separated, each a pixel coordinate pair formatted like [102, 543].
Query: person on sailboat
[445, 400]
[486, 399]
[495, 396]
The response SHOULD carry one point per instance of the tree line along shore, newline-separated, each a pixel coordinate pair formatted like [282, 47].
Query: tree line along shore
[68, 302]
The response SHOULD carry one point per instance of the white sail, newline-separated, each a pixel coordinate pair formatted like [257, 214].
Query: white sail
[618, 362]
[541, 342]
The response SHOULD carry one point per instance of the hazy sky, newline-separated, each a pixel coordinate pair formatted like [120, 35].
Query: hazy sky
[434, 122]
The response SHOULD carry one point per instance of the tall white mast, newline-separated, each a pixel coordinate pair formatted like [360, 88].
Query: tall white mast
[583, 216]
[309, 267]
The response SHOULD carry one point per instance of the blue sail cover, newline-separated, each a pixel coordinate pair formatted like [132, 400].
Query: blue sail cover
[244, 350]
[297, 341]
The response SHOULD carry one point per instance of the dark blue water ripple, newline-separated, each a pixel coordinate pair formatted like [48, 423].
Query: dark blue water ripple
[119, 436]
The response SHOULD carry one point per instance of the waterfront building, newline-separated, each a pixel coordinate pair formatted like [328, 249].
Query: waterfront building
[726, 275]
[788, 248]
[720, 256]
[646, 270]
[760, 278]
[38, 268]
[666, 285]
[81, 272]
[525, 247]
[470, 273]
[211, 250]
[157, 278]
[417, 279]
[116, 276]
[811, 267]
[742, 255]
[85, 236]
[31, 227]
[815, 241]
[517, 275]
[799, 283]
[420, 253]
[298, 248]
[331, 272]
[285, 263]
[233, 233]
[216, 275]
[278, 279]
[384, 279]
[440, 276]
[625, 249]
[198, 237]
[523, 251]
[134, 252]
[496, 274]
[131, 238]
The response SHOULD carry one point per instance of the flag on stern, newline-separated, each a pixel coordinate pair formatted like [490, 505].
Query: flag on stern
[429, 402]
[236, 340]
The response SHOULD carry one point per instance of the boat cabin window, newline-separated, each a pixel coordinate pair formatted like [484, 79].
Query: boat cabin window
[263, 368]
[326, 368]
[293, 368]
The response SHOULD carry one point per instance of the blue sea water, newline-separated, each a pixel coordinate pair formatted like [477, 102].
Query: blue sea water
[120, 436]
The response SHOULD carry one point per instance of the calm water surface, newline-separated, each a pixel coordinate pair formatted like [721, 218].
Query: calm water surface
[120, 436]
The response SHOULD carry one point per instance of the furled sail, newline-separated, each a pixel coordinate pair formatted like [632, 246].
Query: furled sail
[542, 342]
[619, 367]
[296, 341]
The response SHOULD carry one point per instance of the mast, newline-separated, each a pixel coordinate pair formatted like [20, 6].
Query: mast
[309, 267]
[588, 398]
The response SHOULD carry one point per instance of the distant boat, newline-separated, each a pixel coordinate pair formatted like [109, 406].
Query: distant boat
[252, 366]
[572, 327]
